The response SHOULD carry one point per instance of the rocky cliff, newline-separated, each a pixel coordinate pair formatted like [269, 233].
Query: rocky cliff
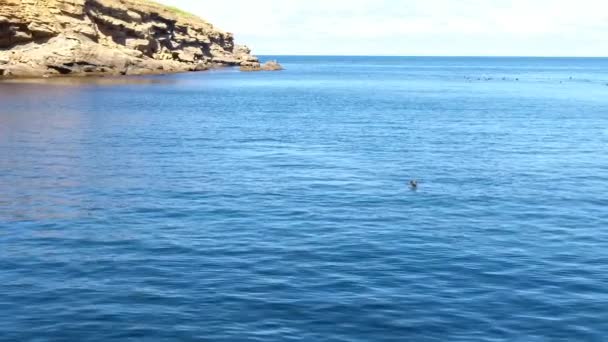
[121, 37]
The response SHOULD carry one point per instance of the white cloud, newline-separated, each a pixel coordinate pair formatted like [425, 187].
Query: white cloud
[413, 27]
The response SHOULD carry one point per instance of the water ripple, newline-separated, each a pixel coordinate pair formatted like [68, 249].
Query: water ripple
[275, 207]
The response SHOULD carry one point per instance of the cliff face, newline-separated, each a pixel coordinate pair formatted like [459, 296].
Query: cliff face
[88, 37]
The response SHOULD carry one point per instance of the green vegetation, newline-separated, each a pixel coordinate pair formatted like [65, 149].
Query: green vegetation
[179, 11]
[176, 10]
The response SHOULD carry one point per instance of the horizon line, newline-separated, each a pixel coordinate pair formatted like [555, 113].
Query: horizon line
[426, 56]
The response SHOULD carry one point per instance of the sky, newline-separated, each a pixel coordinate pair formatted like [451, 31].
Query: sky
[411, 27]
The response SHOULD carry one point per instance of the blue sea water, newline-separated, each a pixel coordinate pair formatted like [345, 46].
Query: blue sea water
[228, 206]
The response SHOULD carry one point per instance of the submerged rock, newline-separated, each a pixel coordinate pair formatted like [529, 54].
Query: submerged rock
[268, 66]
[42, 38]
[272, 66]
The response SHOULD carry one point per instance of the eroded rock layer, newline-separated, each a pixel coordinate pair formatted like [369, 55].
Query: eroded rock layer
[89, 37]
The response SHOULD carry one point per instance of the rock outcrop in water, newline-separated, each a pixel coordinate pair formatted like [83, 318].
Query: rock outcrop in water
[268, 66]
[117, 37]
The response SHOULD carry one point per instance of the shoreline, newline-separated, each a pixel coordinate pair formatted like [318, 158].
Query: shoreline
[107, 75]
[269, 66]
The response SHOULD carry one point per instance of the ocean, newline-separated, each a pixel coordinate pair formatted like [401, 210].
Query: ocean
[275, 206]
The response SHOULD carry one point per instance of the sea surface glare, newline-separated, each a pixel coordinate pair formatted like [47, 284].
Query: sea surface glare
[228, 206]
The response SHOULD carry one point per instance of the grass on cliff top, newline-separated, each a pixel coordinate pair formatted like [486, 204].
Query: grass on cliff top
[179, 11]
[175, 10]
